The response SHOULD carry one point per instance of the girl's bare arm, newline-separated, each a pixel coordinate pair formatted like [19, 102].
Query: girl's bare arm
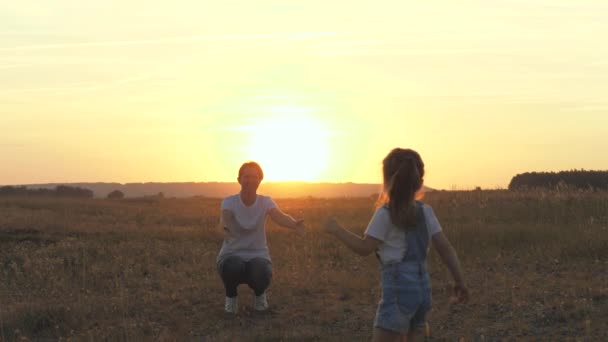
[361, 245]
[450, 259]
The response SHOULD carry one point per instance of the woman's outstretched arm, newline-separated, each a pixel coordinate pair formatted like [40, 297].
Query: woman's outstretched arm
[287, 221]
[229, 223]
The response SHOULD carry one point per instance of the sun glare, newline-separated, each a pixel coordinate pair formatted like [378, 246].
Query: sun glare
[290, 145]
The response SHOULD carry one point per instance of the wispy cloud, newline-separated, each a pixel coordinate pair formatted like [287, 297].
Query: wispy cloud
[84, 87]
[14, 66]
[591, 107]
[400, 52]
[8, 145]
[175, 40]
[351, 43]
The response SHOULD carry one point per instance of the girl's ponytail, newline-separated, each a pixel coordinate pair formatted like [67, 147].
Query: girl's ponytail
[403, 171]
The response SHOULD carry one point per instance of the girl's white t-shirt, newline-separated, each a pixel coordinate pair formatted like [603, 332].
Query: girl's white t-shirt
[249, 240]
[394, 244]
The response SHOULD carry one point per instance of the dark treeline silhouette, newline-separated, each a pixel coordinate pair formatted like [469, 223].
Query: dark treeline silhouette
[116, 194]
[580, 179]
[58, 191]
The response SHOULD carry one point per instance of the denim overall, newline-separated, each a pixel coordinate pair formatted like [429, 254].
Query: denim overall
[406, 287]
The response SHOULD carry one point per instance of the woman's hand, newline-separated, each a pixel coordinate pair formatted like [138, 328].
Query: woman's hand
[300, 228]
[227, 235]
[331, 225]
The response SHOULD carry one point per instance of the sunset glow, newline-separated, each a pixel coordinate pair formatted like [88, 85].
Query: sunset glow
[292, 146]
[107, 91]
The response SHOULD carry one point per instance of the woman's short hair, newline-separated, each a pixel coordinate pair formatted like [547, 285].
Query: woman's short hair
[254, 165]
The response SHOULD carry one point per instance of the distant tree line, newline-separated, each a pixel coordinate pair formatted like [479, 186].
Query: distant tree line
[580, 179]
[58, 191]
[116, 194]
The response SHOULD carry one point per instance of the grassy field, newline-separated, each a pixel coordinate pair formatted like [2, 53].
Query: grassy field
[144, 269]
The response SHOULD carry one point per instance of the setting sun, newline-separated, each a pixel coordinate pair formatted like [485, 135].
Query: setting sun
[289, 147]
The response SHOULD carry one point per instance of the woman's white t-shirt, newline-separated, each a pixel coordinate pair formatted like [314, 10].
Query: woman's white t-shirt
[394, 244]
[249, 240]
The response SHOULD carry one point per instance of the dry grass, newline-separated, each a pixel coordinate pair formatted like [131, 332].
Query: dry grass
[145, 270]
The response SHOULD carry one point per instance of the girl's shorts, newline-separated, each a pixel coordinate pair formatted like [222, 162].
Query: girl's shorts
[406, 299]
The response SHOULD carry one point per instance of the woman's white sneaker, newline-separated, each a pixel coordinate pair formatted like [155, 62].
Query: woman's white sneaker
[231, 306]
[260, 303]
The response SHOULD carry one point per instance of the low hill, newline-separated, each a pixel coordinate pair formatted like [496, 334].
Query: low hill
[221, 189]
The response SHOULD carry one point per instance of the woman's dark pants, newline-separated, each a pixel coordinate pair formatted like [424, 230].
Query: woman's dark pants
[256, 273]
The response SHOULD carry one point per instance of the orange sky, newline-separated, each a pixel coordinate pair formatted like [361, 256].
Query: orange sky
[316, 91]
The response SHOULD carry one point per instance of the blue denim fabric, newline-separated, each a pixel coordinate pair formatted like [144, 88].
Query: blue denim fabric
[406, 298]
[406, 286]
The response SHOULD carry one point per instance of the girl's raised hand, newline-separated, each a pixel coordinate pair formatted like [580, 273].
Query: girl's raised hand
[331, 225]
[461, 294]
